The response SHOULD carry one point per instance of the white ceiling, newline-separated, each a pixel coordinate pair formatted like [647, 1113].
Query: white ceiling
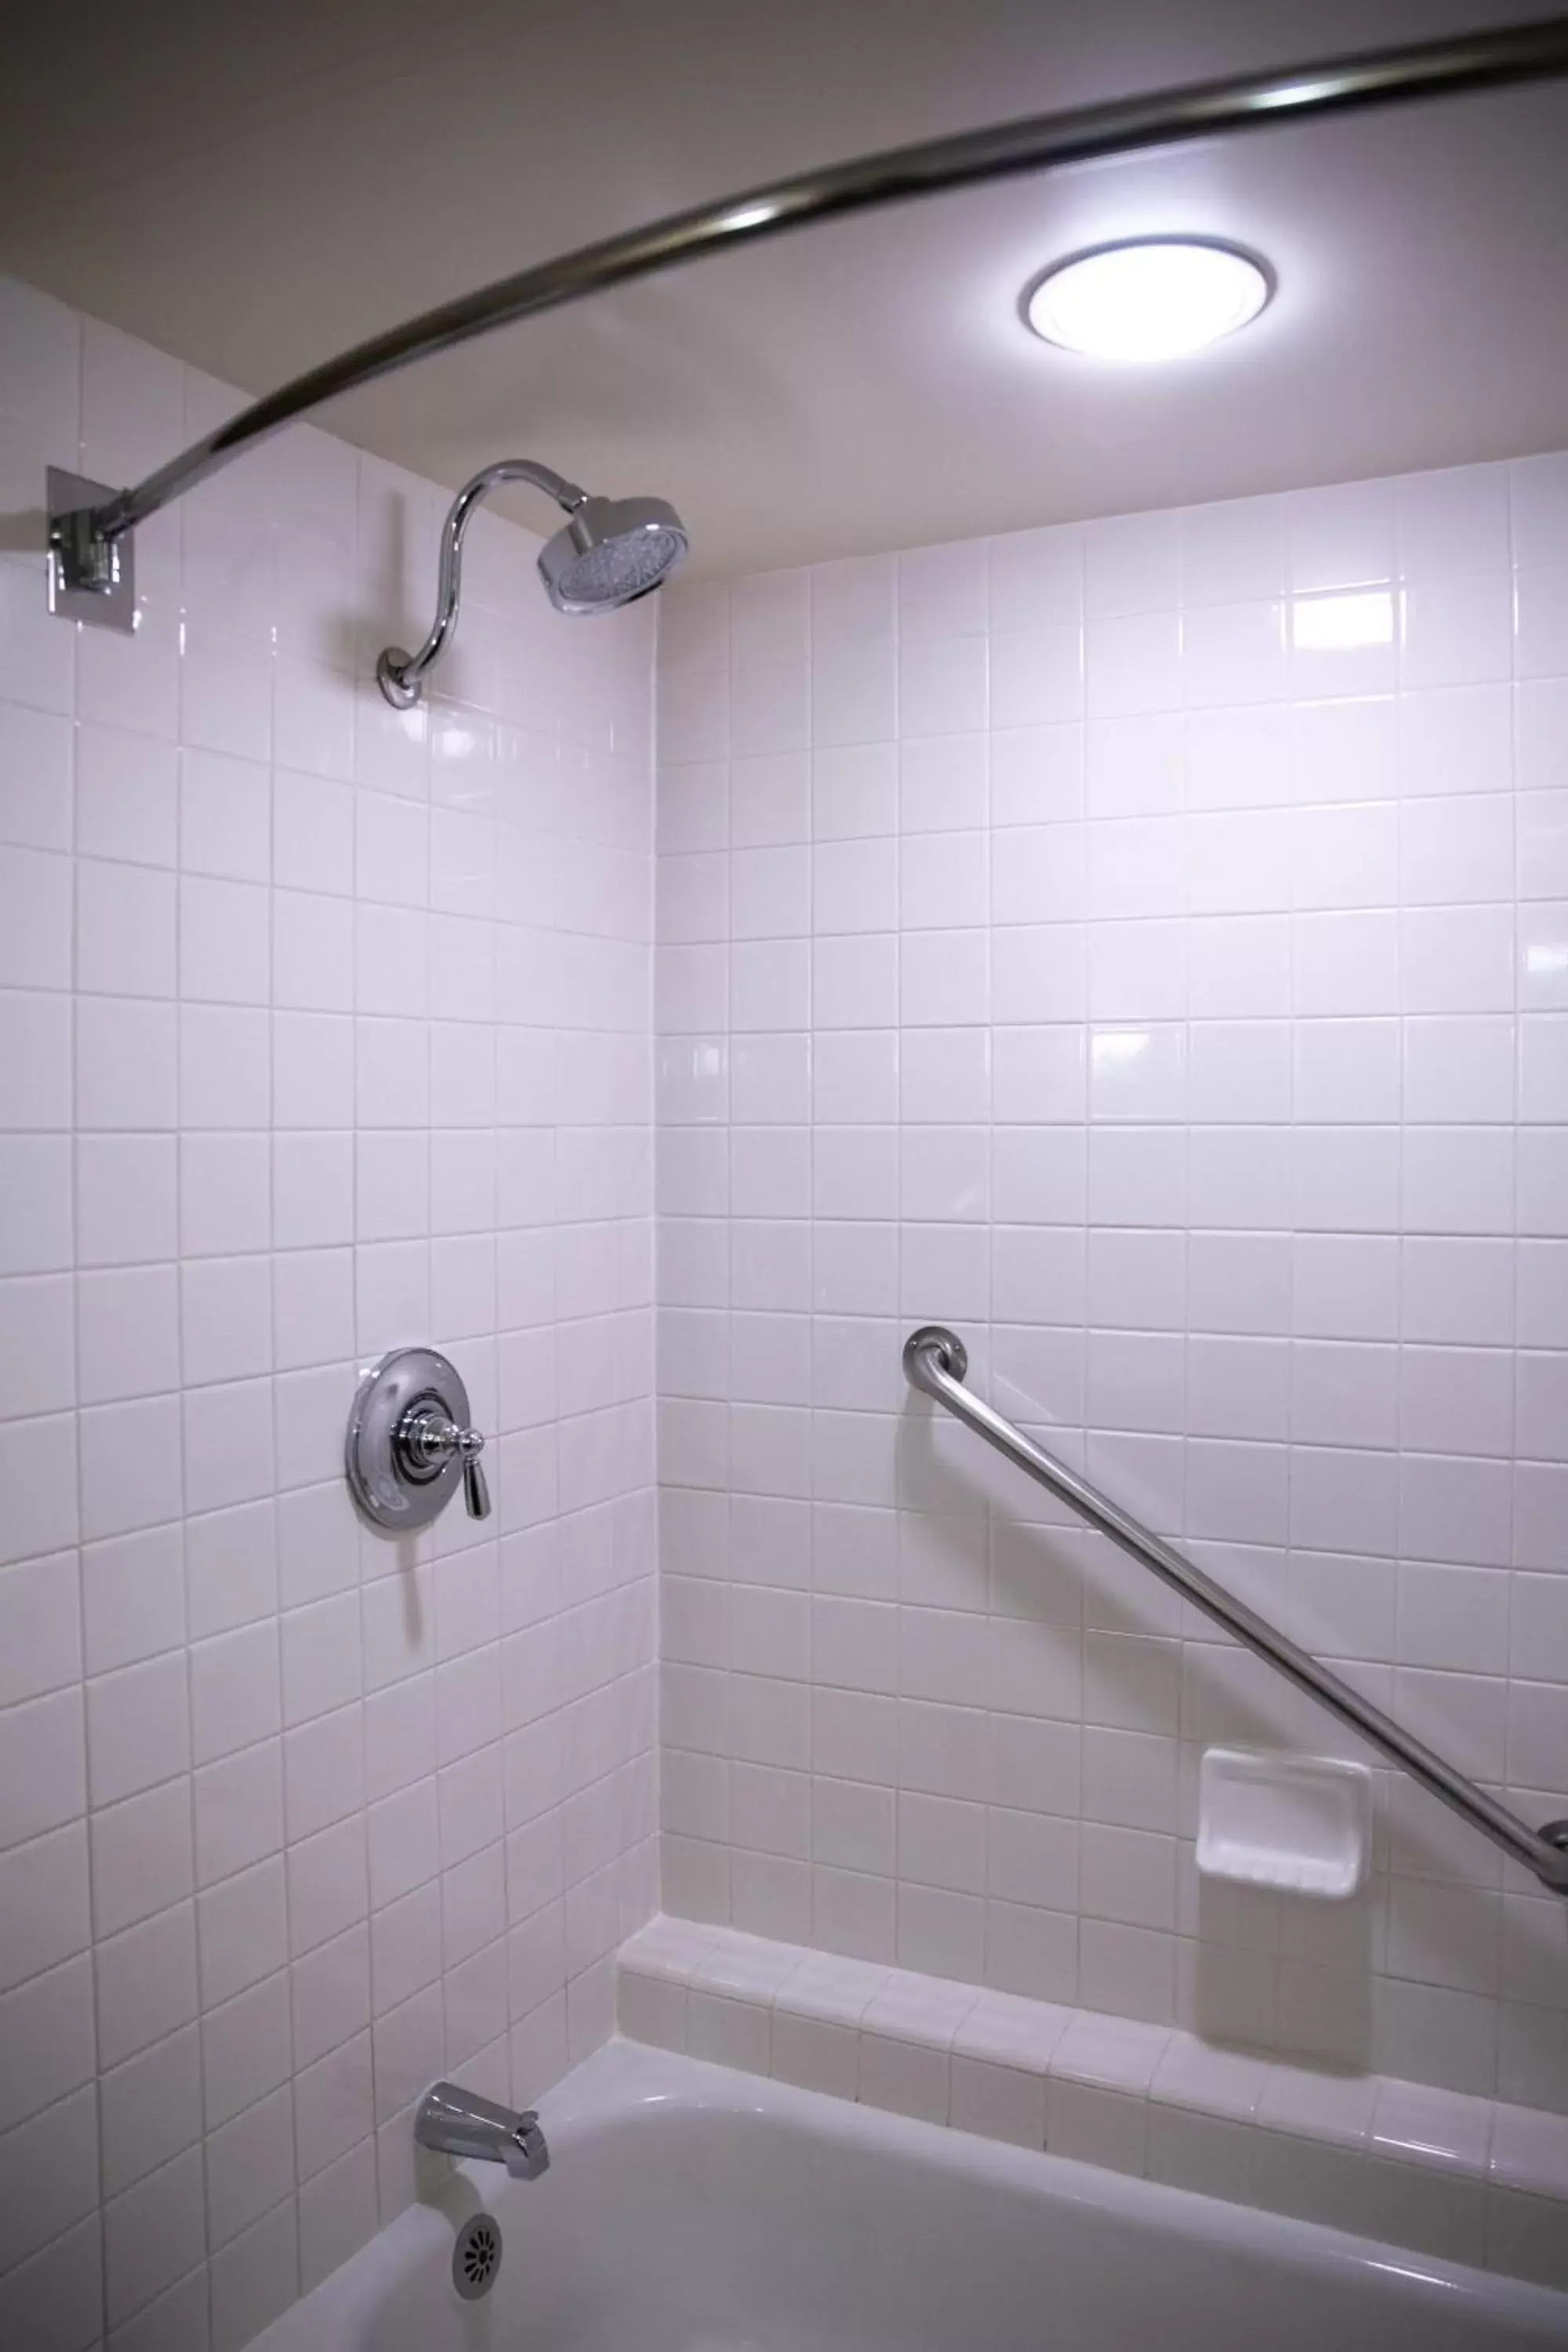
[256, 188]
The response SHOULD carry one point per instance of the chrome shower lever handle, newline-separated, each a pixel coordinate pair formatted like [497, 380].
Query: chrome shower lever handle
[476, 1493]
[428, 1439]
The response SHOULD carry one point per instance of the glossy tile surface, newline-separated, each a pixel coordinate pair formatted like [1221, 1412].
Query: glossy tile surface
[323, 1029]
[1155, 969]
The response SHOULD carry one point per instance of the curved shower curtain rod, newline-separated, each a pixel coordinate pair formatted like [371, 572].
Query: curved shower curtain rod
[90, 569]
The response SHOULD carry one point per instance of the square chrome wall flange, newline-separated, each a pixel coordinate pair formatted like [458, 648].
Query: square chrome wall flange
[112, 604]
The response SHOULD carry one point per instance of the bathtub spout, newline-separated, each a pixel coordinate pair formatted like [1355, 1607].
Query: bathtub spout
[459, 2123]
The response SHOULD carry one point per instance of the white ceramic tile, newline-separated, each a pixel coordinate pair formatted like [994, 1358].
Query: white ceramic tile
[137, 1729]
[998, 2102]
[36, 898]
[126, 1063]
[224, 947]
[125, 929]
[152, 2109]
[225, 1318]
[729, 2031]
[904, 2077]
[48, 2024]
[39, 1612]
[38, 1173]
[141, 1856]
[1202, 2152]
[1328, 2108]
[153, 2234]
[1207, 2081]
[130, 1467]
[1097, 2125]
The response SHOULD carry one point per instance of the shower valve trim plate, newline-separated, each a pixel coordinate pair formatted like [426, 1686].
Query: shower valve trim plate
[411, 1443]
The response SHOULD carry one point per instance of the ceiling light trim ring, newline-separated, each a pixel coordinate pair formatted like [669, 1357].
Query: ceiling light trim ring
[1177, 239]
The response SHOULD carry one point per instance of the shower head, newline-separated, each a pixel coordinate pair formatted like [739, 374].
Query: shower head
[611, 551]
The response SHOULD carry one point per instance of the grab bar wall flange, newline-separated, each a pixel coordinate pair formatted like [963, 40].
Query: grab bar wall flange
[936, 1361]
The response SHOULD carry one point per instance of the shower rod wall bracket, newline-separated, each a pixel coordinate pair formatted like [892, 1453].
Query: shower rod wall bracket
[84, 547]
[92, 577]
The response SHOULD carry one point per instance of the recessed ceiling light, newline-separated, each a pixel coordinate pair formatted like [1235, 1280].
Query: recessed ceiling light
[1152, 297]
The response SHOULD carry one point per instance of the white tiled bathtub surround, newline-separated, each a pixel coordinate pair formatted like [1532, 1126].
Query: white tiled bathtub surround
[1143, 946]
[1465, 2179]
[321, 1028]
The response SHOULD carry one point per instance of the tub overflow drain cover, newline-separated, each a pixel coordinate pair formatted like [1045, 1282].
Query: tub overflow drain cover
[475, 2257]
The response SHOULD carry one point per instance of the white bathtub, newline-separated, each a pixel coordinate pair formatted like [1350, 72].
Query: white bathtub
[691, 2210]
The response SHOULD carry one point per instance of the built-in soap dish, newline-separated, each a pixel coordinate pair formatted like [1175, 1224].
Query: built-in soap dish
[1300, 1822]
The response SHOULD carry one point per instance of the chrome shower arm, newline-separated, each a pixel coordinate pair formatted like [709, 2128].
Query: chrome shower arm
[400, 675]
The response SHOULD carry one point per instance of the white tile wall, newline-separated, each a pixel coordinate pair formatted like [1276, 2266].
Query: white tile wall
[1440, 2171]
[1145, 946]
[320, 1029]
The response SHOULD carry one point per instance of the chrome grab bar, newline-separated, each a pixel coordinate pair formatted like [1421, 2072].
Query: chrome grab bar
[936, 1361]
